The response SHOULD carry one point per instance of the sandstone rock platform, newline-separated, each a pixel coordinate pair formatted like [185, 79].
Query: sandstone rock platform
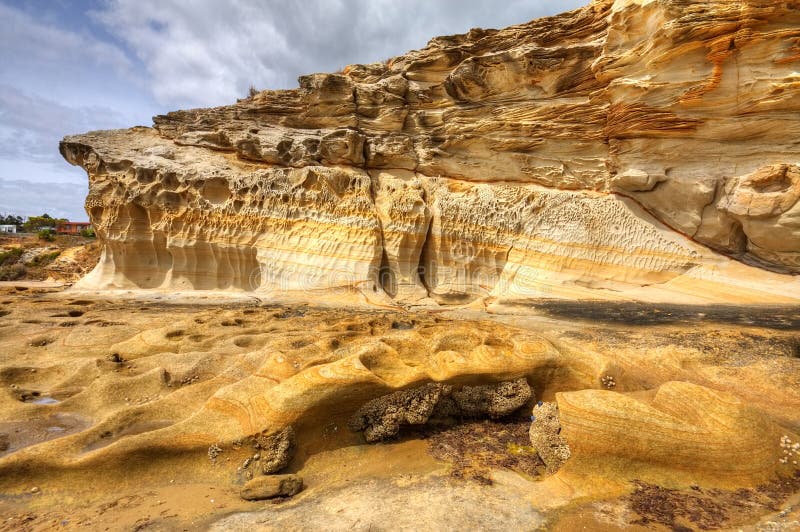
[597, 211]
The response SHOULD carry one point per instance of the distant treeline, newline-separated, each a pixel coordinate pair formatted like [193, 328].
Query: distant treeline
[33, 223]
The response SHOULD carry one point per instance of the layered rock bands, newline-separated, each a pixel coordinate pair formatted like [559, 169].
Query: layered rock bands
[628, 149]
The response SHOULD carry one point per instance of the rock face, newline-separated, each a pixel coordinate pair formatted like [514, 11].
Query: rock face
[626, 149]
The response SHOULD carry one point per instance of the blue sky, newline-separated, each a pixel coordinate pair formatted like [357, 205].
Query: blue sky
[74, 66]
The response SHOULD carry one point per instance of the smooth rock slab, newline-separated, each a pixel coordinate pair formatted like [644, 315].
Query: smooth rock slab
[384, 504]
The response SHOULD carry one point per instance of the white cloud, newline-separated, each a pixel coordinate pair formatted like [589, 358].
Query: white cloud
[207, 52]
[31, 126]
[28, 43]
[59, 200]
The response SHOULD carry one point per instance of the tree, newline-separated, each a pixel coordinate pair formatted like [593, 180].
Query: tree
[10, 219]
[35, 223]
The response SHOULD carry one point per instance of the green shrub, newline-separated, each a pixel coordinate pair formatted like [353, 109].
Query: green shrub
[47, 235]
[10, 257]
[44, 259]
[12, 272]
[88, 233]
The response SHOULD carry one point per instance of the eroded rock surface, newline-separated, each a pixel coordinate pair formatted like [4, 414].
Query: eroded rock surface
[679, 425]
[133, 394]
[623, 150]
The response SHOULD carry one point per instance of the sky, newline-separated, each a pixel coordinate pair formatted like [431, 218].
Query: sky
[69, 67]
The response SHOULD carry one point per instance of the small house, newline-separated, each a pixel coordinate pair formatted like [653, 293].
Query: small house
[72, 228]
[8, 228]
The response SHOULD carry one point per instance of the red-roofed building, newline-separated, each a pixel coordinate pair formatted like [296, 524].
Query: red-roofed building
[72, 228]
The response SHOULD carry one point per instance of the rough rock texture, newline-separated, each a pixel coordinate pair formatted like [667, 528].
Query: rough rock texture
[546, 436]
[277, 450]
[625, 149]
[382, 418]
[489, 400]
[271, 486]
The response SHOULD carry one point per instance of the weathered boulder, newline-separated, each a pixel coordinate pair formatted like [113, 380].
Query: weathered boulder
[381, 418]
[271, 486]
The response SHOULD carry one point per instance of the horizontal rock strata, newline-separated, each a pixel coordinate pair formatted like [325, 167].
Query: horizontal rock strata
[626, 149]
[680, 426]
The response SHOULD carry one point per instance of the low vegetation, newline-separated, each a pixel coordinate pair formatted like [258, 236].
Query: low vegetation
[10, 256]
[48, 235]
[12, 272]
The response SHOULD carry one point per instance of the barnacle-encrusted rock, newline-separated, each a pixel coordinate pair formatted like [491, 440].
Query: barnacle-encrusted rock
[277, 450]
[489, 400]
[545, 434]
[382, 418]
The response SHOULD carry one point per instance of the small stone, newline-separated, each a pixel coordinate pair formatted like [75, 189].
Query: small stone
[34, 490]
[213, 452]
[270, 486]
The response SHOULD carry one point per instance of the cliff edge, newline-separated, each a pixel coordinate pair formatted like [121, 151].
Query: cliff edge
[626, 150]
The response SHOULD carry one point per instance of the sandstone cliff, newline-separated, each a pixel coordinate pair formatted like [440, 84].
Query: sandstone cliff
[628, 149]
